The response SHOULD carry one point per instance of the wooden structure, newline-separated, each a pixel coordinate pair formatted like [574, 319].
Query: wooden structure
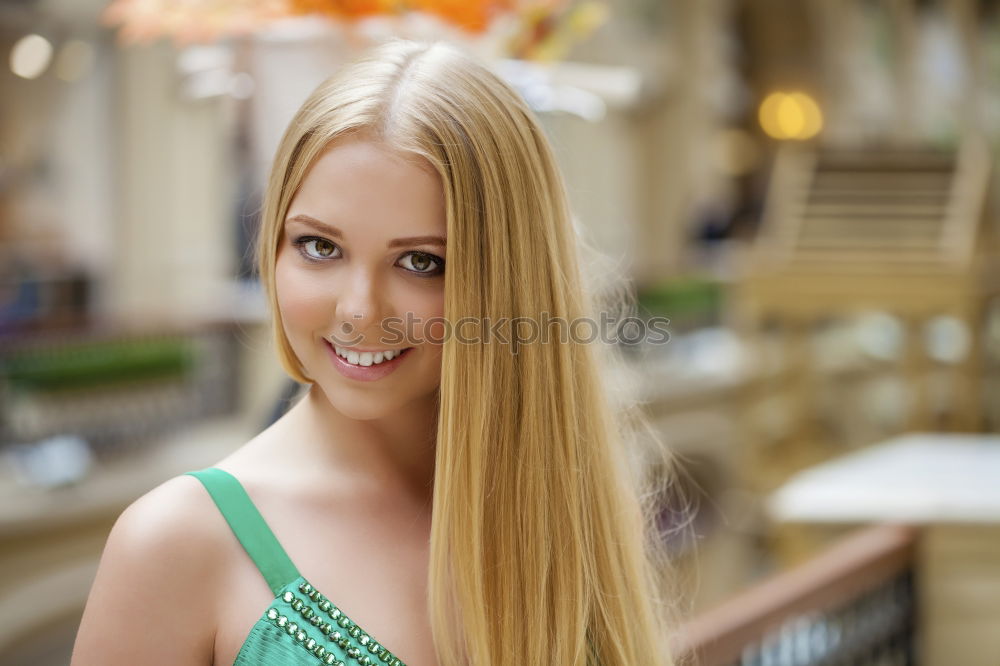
[876, 275]
[943, 484]
[854, 603]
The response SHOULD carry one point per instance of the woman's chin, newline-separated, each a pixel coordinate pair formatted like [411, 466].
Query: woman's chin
[358, 406]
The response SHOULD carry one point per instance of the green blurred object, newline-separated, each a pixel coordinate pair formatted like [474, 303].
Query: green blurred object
[86, 364]
[681, 299]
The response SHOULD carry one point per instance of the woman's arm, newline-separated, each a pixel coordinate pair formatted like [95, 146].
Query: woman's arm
[153, 600]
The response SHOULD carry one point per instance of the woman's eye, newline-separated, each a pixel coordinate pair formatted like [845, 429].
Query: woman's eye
[316, 248]
[421, 262]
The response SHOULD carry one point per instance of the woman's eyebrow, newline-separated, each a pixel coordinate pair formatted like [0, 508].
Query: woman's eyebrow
[331, 230]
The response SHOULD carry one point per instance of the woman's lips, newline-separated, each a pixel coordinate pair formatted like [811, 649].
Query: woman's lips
[365, 373]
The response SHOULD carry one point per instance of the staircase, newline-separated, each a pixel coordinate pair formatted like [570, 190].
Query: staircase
[898, 207]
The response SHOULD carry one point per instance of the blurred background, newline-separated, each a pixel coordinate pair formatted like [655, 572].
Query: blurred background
[805, 188]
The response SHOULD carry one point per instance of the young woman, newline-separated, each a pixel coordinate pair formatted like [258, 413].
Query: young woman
[453, 488]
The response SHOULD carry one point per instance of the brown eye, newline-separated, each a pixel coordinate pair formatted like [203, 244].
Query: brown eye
[315, 249]
[323, 248]
[422, 263]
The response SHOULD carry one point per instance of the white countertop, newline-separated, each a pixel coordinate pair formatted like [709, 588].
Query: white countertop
[915, 478]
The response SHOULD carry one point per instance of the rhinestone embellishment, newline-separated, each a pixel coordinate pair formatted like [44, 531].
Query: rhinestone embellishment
[341, 631]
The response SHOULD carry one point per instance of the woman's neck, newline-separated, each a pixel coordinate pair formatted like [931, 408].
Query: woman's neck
[396, 453]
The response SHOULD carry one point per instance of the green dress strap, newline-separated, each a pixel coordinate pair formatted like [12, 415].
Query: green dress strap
[249, 527]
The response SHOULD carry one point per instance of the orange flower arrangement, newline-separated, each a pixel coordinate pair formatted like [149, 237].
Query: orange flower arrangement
[345, 9]
[472, 16]
[544, 28]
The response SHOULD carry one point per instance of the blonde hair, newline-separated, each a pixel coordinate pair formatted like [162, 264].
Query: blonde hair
[540, 548]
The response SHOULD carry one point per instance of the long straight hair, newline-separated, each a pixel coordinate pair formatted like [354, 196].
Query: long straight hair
[542, 548]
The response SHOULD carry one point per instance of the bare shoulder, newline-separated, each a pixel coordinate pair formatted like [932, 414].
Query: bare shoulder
[153, 599]
[170, 517]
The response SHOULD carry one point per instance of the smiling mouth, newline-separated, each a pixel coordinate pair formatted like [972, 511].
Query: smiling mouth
[367, 359]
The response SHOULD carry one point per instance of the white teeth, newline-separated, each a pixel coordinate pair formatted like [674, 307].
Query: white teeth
[367, 358]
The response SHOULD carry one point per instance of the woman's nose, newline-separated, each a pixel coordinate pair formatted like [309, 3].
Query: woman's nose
[358, 309]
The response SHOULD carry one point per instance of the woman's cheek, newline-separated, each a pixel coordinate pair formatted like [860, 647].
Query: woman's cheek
[299, 300]
[435, 332]
[431, 326]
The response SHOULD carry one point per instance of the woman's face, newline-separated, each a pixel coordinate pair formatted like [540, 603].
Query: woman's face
[360, 271]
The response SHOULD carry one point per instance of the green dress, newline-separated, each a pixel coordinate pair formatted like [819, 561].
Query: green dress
[300, 626]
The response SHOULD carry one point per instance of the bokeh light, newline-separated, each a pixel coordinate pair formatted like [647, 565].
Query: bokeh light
[30, 56]
[793, 115]
[75, 60]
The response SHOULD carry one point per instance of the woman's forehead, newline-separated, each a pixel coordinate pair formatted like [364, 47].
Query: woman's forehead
[366, 142]
[358, 181]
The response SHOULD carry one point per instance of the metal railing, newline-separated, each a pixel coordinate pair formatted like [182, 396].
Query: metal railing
[852, 605]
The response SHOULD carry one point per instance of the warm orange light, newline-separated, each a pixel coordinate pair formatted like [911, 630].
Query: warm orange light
[790, 116]
[812, 116]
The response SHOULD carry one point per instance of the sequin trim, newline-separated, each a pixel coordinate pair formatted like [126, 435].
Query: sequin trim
[340, 631]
